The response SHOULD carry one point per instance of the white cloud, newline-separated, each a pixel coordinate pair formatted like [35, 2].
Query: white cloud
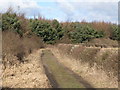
[63, 4]
[107, 11]
[66, 7]
[77, 0]
[95, 0]
[95, 9]
[26, 6]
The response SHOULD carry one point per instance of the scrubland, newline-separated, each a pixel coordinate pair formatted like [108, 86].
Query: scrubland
[90, 49]
[99, 66]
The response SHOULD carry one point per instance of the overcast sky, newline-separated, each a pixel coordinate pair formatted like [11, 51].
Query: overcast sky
[62, 10]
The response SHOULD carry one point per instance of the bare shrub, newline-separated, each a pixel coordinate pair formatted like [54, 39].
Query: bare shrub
[11, 46]
[32, 43]
[11, 42]
[18, 47]
[102, 26]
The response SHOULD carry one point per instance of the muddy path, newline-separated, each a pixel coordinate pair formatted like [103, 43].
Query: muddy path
[59, 75]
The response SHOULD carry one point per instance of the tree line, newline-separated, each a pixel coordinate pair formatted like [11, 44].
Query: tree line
[51, 31]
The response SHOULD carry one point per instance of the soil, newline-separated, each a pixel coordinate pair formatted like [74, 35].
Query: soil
[26, 75]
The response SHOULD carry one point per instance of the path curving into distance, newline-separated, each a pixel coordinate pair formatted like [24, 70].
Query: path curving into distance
[59, 75]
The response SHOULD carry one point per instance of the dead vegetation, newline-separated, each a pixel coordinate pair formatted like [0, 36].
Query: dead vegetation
[103, 42]
[22, 67]
[99, 66]
[103, 60]
[16, 47]
[92, 55]
[18, 71]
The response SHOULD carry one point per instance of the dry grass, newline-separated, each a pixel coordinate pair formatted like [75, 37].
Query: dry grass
[102, 42]
[101, 74]
[104, 58]
[107, 59]
[87, 55]
[65, 47]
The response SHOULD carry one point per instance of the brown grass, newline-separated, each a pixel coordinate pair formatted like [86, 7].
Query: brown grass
[105, 58]
[65, 47]
[76, 51]
[95, 76]
[102, 42]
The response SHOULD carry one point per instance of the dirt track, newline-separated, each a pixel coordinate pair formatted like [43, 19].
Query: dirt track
[42, 69]
[59, 75]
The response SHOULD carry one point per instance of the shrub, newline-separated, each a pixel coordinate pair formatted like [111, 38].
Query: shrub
[18, 47]
[84, 33]
[10, 21]
[115, 35]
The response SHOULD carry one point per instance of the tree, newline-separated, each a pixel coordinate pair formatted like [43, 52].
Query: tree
[10, 21]
[84, 33]
[44, 30]
[58, 28]
[115, 35]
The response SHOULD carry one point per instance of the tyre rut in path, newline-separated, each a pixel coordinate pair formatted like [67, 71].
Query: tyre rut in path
[59, 75]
